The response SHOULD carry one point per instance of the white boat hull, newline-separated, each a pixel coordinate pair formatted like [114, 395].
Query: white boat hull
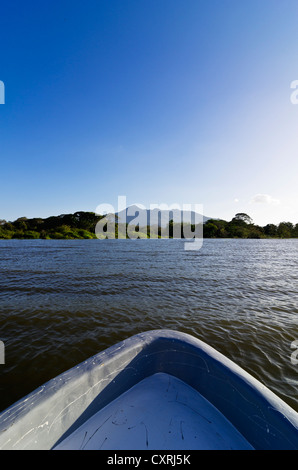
[157, 390]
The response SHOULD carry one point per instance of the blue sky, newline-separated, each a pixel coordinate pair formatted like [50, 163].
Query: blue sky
[162, 101]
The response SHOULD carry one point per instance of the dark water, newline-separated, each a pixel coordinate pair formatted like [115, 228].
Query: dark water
[61, 301]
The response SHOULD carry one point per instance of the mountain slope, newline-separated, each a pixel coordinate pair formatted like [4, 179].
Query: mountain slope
[159, 217]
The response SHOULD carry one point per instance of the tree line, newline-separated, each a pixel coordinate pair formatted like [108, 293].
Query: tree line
[241, 226]
[81, 225]
[65, 226]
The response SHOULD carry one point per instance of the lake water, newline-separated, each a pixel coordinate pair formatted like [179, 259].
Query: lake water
[62, 301]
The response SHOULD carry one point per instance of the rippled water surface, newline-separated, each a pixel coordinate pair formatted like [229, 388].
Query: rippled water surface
[61, 301]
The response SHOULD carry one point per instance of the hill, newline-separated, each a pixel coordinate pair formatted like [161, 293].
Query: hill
[158, 216]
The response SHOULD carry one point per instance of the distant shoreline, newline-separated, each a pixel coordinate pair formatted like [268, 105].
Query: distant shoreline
[160, 238]
[81, 225]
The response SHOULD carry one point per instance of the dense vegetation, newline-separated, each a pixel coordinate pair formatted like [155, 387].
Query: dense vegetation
[66, 226]
[241, 226]
[82, 225]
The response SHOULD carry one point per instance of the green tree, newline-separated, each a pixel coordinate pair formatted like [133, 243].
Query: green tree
[270, 230]
[295, 231]
[210, 229]
[242, 217]
[21, 223]
[284, 229]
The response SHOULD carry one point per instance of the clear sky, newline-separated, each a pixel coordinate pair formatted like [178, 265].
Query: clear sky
[161, 101]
